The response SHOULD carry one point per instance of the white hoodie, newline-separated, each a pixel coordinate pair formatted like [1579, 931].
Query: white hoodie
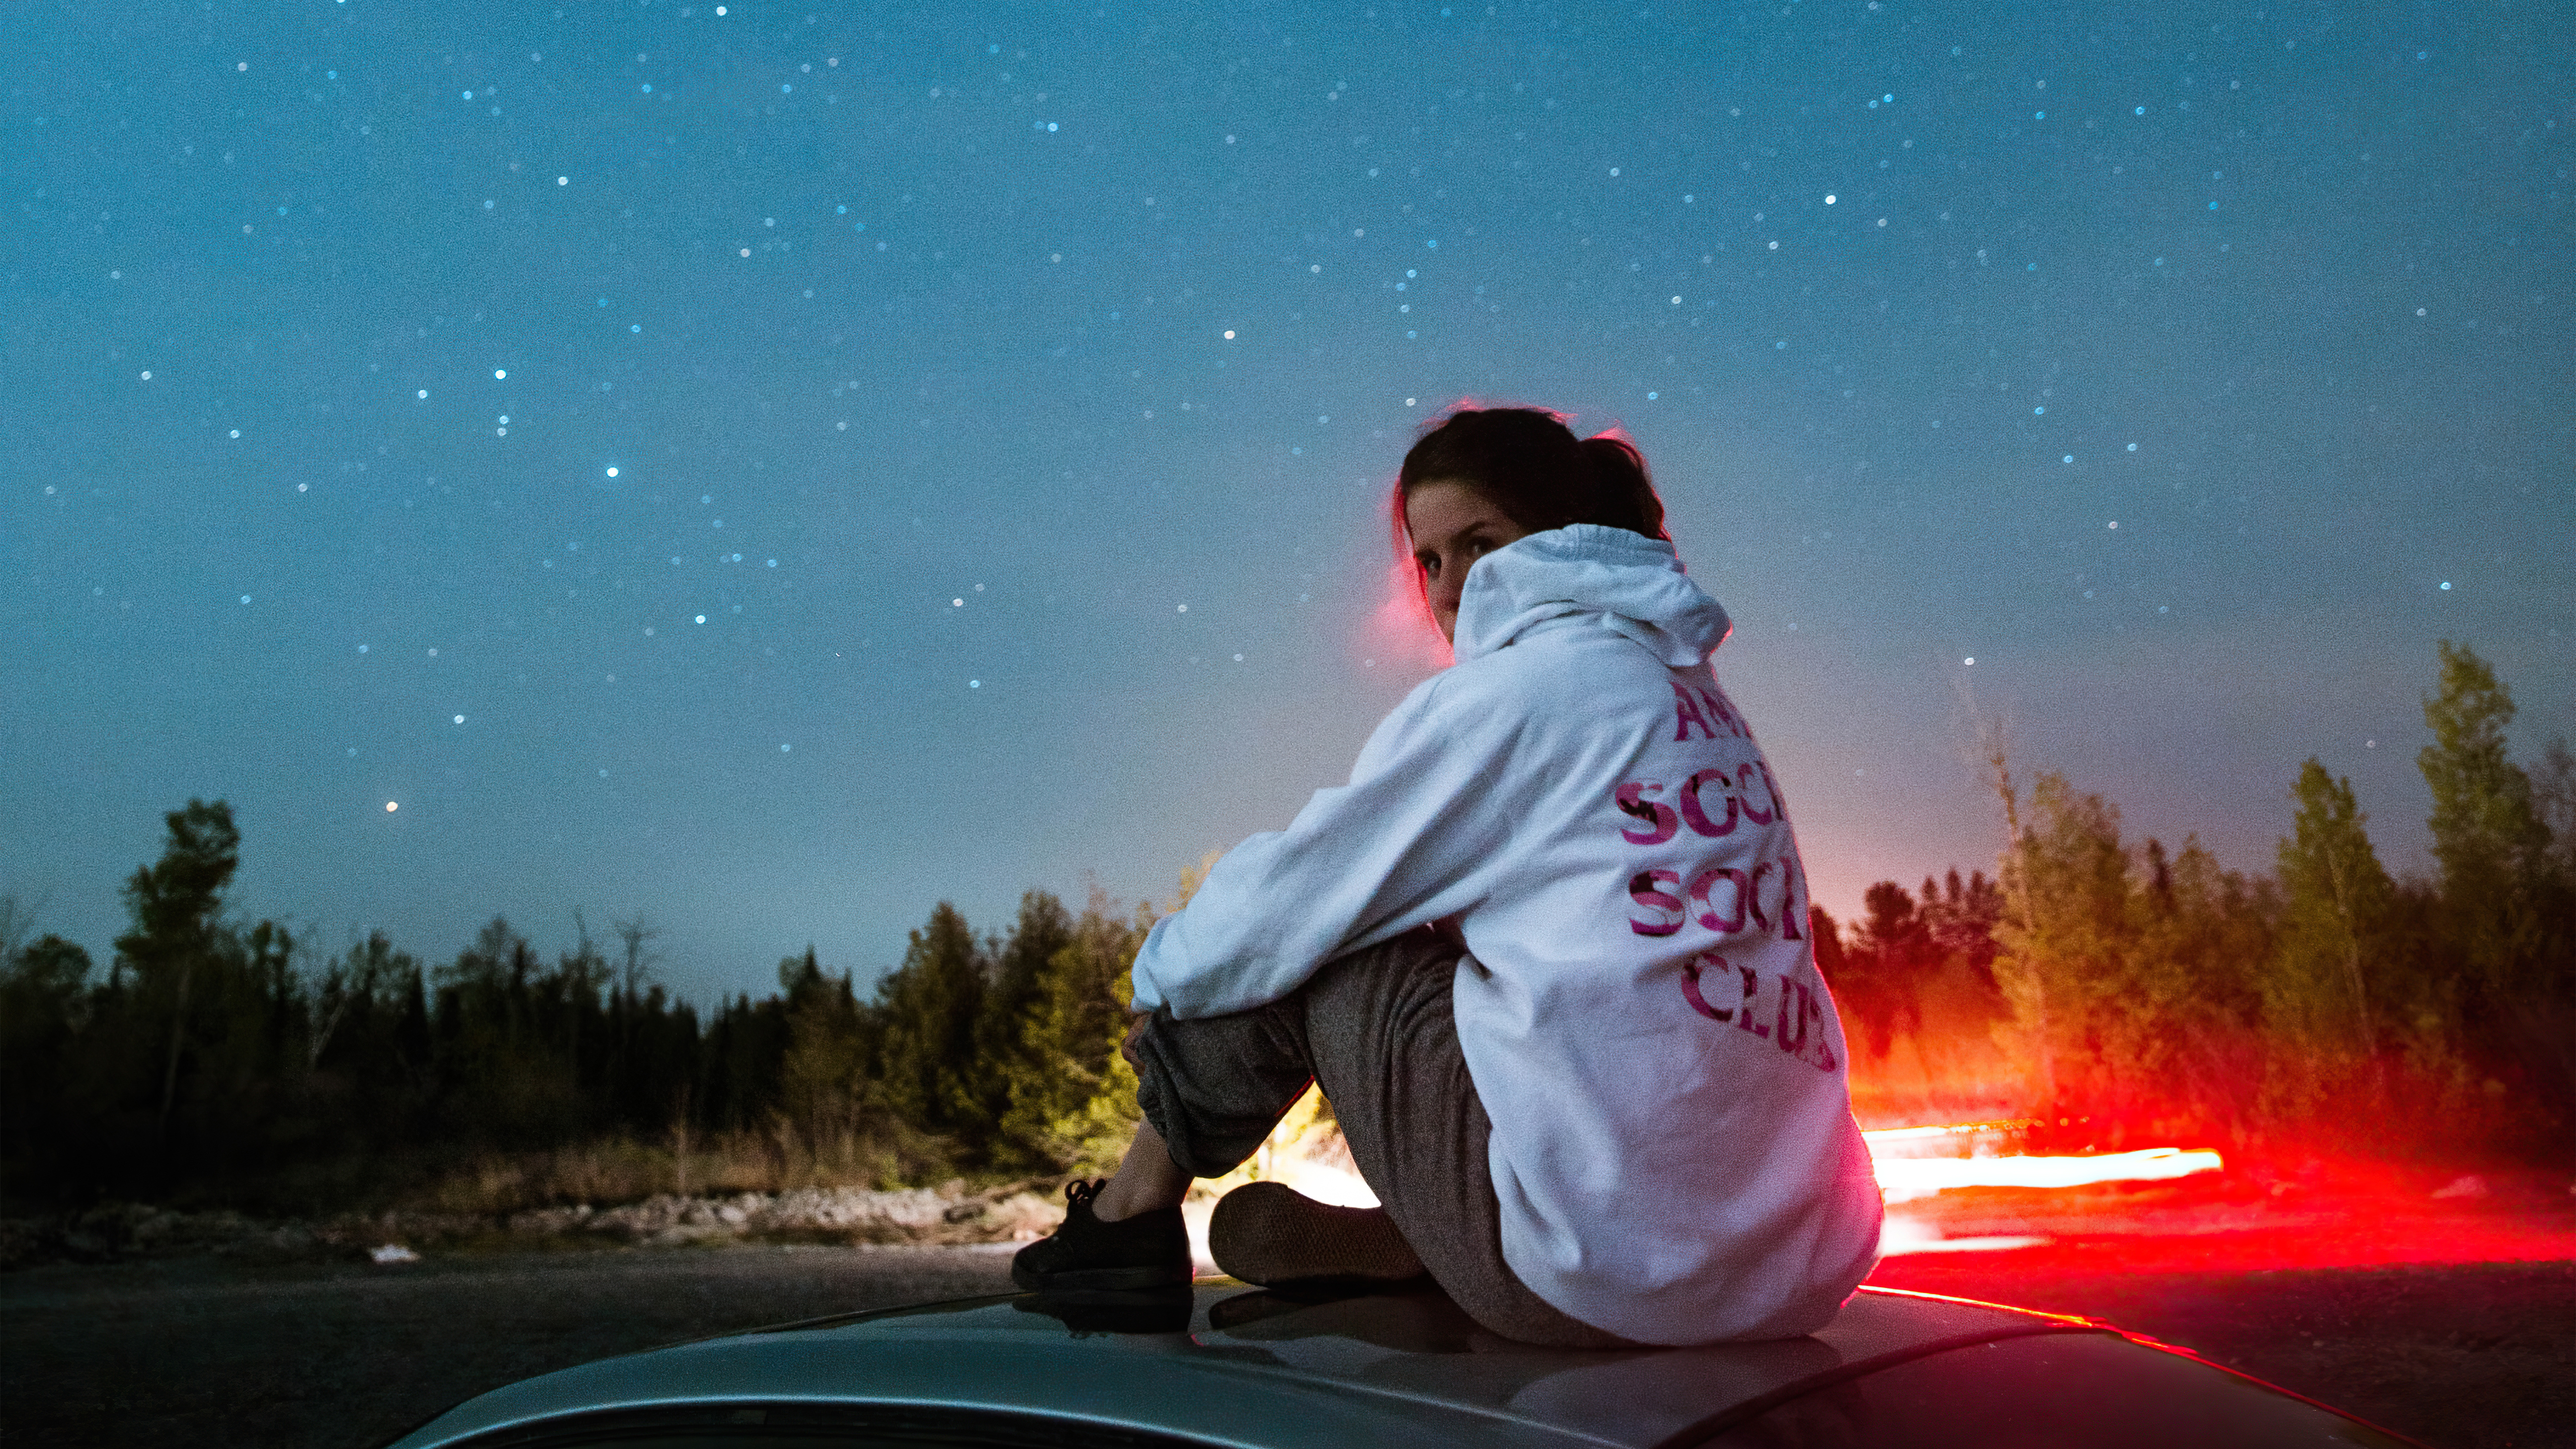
[1673, 1145]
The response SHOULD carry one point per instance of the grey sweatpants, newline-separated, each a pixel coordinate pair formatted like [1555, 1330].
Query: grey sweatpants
[1375, 1030]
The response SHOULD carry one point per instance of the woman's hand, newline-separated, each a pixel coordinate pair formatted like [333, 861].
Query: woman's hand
[1135, 1029]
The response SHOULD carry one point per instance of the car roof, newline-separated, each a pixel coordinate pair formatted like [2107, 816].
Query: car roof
[1234, 1364]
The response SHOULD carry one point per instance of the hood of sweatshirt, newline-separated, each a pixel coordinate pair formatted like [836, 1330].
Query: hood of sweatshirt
[1633, 584]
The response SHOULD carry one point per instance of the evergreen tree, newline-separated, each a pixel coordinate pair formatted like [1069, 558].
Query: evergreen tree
[1010, 1053]
[580, 975]
[1073, 1107]
[353, 983]
[1962, 919]
[2173, 1031]
[44, 1004]
[823, 1079]
[177, 905]
[2508, 908]
[2553, 799]
[1882, 978]
[2329, 987]
[741, 1065]
[2065, 937]
[635, 935]
[504, 1079]
[928, 1007]
[2487, 837]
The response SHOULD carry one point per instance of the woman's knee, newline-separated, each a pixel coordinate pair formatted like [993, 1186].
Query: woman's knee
[1214, 1086]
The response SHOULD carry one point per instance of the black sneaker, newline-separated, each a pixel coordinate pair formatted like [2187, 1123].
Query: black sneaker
[1149, 1250]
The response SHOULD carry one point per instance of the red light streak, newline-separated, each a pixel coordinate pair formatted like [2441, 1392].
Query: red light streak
[1921, 1162]
[2171, 1210]
[1903, 1179]
[1906, 1170]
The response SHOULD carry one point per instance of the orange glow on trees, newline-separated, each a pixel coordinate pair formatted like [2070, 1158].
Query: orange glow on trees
[2152, 996]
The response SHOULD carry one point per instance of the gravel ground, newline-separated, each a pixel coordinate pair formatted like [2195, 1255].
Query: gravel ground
[2465, 1356]
[2445, 1312]
[219, 1353]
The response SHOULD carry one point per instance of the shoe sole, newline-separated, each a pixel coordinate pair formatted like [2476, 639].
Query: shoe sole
[1271, 1234]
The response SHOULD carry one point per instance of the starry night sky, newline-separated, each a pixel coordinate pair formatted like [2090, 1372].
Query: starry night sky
[776, 467]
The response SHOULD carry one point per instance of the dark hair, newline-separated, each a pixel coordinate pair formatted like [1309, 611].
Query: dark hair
[1530, 465]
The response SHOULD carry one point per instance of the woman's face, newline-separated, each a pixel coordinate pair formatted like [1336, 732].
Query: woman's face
[1452, 526]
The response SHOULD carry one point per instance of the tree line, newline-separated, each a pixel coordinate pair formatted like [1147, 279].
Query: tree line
[2134, 988]
[219, 1060]
[2150, 992]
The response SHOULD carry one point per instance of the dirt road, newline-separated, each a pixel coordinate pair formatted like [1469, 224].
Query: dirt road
[2467, 1356]
[208, 1352]
[204, 1352]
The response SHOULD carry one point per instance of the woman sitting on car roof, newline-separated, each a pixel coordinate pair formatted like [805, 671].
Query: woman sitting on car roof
[1546, 954]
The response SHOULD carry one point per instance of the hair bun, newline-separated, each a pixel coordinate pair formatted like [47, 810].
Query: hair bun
[1627, 490]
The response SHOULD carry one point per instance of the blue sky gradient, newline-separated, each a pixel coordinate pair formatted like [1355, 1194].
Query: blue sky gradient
[779, 469]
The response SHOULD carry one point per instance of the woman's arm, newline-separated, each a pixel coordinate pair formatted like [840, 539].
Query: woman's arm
[1417, 835]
